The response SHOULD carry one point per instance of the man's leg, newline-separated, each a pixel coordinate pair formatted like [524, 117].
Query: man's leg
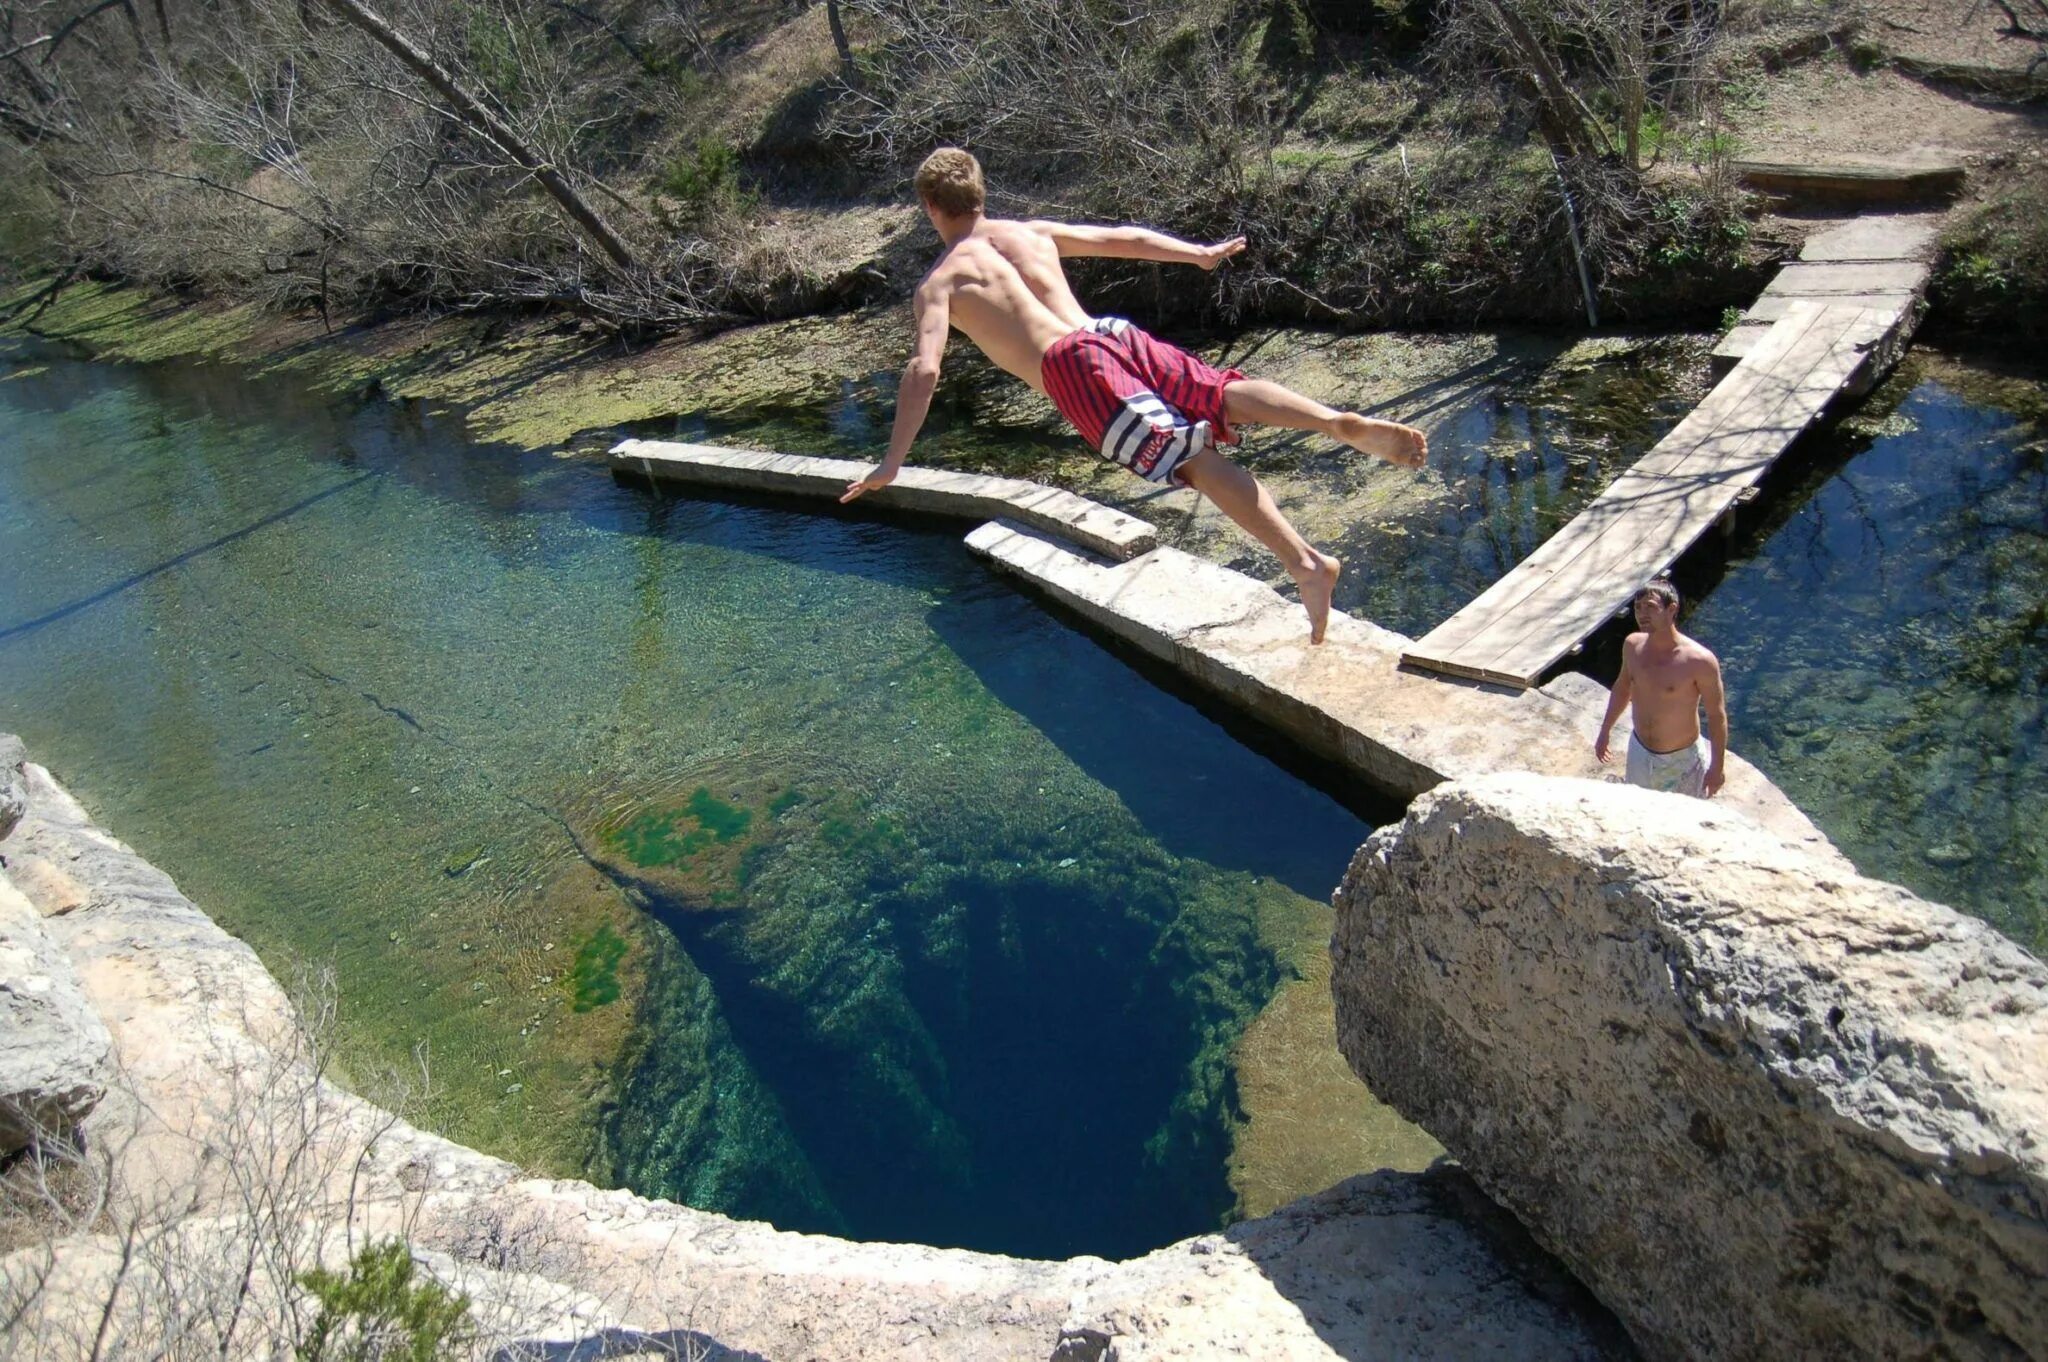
[1267, 403]
[1238, 495]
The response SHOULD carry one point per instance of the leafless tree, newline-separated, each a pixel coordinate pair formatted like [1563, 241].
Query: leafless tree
[1607, 77]
[481, 119]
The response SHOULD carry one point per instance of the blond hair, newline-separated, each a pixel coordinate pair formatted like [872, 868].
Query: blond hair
[950, 181]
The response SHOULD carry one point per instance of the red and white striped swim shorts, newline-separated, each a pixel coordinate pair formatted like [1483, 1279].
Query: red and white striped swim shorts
[1140, 402]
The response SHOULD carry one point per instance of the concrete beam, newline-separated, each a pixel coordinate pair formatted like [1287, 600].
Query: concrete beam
[1853, 182]
[934, 491]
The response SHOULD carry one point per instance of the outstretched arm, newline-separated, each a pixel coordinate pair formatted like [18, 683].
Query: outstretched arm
[914, 393]
[1716, 700]
[1136, 243]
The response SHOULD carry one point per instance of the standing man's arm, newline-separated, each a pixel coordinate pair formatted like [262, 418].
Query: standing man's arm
[914, 394]
[1716, 701]
[1617, 701]
[1136, 243]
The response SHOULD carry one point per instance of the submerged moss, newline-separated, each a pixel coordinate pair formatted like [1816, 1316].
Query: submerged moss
[594, 978]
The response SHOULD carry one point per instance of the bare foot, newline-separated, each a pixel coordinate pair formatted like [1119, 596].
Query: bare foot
[1402, 446]
[1317, 583]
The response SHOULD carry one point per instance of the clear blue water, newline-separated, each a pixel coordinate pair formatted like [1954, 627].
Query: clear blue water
[960, 916]
[1879, 615]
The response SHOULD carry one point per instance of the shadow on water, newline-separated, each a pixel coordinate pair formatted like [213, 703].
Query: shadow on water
[11, 631]
[1178, 776]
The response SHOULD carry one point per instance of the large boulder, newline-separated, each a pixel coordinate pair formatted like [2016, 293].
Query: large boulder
[1763, 1107]
[53, 1046]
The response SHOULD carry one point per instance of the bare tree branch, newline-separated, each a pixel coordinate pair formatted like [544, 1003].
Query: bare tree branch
[478, 116]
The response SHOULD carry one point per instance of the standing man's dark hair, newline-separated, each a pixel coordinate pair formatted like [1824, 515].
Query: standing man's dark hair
[1663, 588]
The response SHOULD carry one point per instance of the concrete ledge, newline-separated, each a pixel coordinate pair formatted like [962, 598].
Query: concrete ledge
[970, 495]
[2000, 82]
[1348, 700]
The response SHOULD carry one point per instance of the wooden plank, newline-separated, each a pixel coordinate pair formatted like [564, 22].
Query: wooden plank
[1667, 513]
[1739, 342]
[1774, 307]
[1652, 513]
[1505, 596]
[1835, 279]
[1668, 506]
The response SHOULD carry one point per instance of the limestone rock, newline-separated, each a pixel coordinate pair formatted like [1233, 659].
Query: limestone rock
[1763, 1107]
[13, 793]
[53, 1047]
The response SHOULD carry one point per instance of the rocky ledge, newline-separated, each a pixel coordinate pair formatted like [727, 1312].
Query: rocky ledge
[1763, 1107]
[229, 1163]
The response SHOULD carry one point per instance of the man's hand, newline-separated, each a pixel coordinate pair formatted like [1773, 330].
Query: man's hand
[1212, 256]
[1600, 749]
[1716, 777]
[880, 477]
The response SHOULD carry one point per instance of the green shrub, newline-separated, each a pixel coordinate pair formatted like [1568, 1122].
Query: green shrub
[1992, 277]
[704, 179]
[375, 1313]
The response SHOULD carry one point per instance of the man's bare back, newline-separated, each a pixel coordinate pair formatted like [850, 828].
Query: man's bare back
[1002, 287]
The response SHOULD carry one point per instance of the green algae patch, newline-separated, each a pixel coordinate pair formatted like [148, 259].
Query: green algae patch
[594, 978]
[702, 850]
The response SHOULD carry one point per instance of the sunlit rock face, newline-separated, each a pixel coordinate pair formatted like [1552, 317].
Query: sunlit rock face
[1761, 1106]
[53, 1048]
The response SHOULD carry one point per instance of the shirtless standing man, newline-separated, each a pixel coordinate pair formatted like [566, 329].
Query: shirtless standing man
[1149, 406]
[1665, 677]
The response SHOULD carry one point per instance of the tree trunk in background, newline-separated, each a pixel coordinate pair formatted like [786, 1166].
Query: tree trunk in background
[492, 128]
[1566, 121]
[839, 35]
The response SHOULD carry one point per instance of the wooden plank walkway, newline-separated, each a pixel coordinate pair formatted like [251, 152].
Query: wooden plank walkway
[1522, 625]
[1882, 259]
